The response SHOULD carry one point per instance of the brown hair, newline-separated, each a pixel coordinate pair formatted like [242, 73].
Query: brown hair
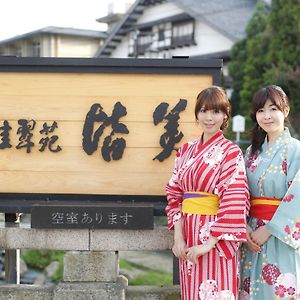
[279, 98]
[214, 98]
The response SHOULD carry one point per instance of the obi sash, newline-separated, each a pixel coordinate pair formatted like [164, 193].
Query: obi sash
[263, 208]
[200, 203]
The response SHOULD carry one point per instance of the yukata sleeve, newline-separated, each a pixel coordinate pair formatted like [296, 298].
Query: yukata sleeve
[174, 195]
[285, 224]
[230, 225]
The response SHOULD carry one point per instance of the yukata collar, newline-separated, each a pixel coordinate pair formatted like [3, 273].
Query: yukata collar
[281, 139]
[210, 140]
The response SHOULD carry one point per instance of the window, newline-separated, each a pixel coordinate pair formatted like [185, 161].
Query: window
[18, 52]
[144, 40]
[36, 49]
[183, 33]
[161, 34]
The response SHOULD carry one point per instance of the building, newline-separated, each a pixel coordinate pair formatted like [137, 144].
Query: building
[168, 28]
[54, 42]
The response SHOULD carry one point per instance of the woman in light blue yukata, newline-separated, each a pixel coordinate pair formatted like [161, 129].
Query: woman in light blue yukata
[270, 260]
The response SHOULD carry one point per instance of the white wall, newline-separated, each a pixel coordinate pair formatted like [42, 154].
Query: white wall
[122, 49]
[157, 12]
[77, 47]
[208, 41]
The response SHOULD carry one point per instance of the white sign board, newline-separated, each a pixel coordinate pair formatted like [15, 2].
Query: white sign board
[238, 123]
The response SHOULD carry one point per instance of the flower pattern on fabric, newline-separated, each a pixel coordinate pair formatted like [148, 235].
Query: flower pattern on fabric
[288, 198]
[204, 233]
[293, 233]
[228, 237]
[209, 291]
[285, 285]
[214, 156]
[284, 166]
[177, 217]
[239, 168]
[287, 229]
[246, 284]
[270, 273]
[173, 179]
[252, 162]
[260, 223]
[280, 291]
[189, 267]
[296, 232]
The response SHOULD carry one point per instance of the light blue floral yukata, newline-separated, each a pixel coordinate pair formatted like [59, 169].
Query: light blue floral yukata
[275, 272]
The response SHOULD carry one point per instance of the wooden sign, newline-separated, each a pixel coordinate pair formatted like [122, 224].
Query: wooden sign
[96, 126]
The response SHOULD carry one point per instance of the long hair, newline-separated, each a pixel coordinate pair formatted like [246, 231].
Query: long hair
[214, 98]
[278, 97]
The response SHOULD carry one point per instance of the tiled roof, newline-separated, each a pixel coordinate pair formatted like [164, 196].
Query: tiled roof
[228, 16]
[60, 31]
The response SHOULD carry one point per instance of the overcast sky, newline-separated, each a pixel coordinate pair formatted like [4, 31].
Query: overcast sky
[22, 16]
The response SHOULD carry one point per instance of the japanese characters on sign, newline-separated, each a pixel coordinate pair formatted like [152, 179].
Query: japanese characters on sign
[171, 137]
[25, 140]
[97, 216]
[112, 148]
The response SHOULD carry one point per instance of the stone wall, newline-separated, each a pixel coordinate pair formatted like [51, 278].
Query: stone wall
[90, 264]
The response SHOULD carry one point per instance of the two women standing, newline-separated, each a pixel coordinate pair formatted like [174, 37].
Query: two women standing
[208, 204]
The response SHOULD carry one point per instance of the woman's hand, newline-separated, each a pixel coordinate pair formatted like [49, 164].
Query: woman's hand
[179, 248]
[194, 252]
[260, 235]
[250, 243]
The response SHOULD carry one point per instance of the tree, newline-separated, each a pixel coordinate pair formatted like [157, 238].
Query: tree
[248, 61]
[284, 52]
[270, 54]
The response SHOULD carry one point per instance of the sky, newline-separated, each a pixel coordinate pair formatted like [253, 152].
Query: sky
[23, 16]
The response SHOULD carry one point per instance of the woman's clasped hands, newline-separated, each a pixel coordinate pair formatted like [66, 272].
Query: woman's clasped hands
[180, 249]
[256, 238]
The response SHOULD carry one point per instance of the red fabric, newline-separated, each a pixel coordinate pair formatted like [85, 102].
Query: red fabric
[215, 167]
[263, 211]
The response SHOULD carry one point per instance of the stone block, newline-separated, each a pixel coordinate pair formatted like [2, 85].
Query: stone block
[25, 237]
[91, 266]
[160, 238]
[26, 292]
[91, 291]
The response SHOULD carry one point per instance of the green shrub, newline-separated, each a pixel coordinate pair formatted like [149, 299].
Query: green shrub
[40, 259]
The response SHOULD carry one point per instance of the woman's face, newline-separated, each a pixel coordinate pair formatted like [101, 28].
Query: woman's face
[271, 119]
[210, 121]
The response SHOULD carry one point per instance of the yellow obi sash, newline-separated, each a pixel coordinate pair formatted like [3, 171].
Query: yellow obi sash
[200, 203]
[264, 208]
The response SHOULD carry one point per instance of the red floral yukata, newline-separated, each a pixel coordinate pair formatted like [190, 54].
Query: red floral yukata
[215, 167]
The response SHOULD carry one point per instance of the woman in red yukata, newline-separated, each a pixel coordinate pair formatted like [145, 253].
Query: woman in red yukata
[208, 201]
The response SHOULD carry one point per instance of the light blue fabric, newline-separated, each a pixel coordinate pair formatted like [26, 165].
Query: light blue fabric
[275, 272]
